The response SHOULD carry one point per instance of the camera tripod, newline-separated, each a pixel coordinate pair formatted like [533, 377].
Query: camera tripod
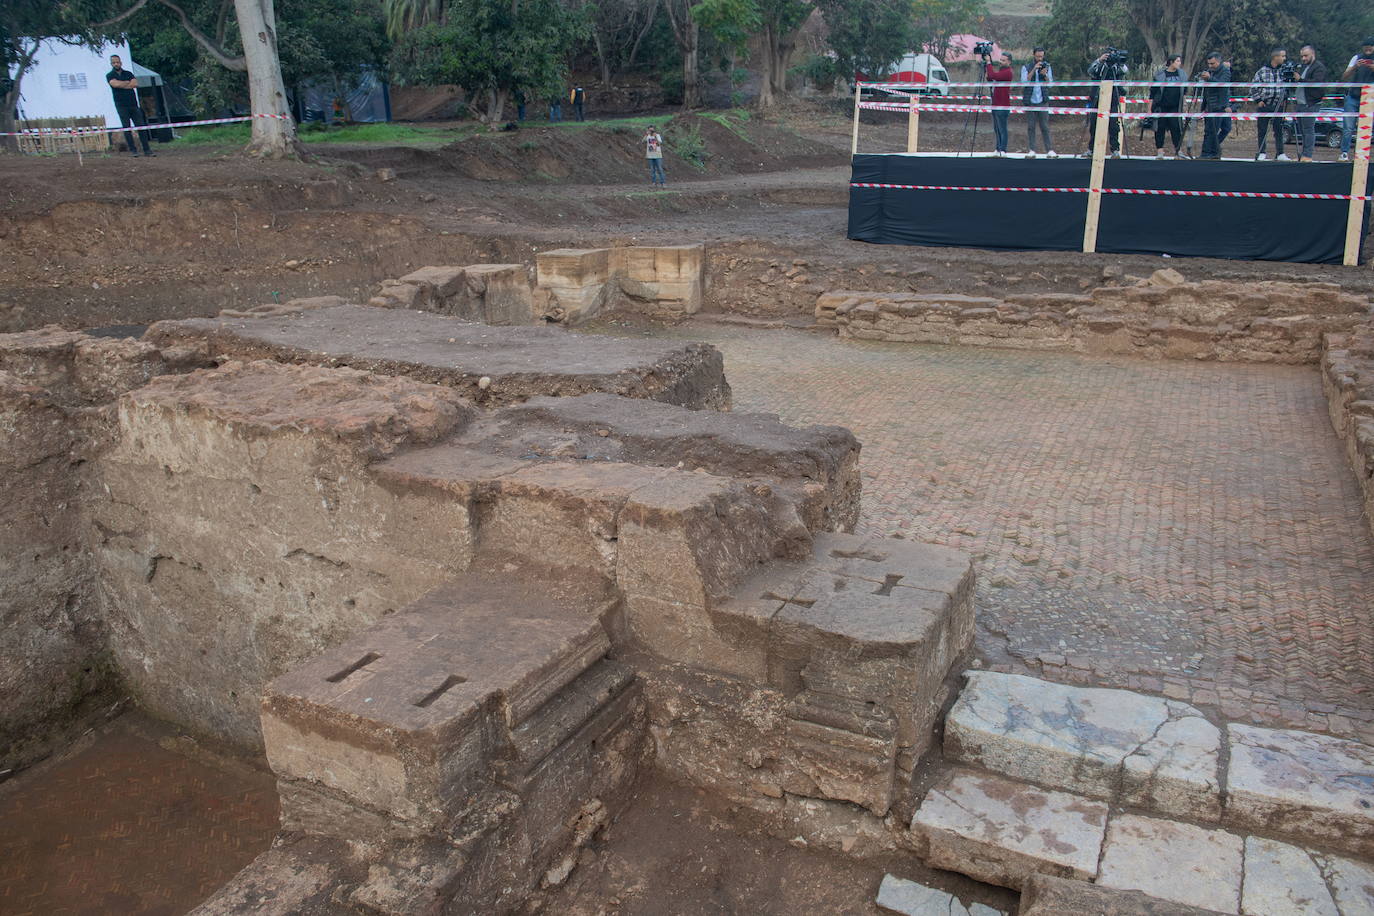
[978, 96]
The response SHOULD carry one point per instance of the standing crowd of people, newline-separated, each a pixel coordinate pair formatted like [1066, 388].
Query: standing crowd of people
[1278, 83]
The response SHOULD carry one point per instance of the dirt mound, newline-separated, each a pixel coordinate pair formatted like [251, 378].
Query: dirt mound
[697, 146]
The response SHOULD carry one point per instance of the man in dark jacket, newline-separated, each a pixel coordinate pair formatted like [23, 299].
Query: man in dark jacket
[1168, 99]
[1309, 100]
[1104, 68]
[124, 88]
[1215, 100]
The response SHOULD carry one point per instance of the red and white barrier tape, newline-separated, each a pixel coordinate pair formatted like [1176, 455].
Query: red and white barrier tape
[1122, 84]
[83, 131]
[1286, 195]
[1123, 115]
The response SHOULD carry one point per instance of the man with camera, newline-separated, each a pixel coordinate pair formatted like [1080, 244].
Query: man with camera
[1361, 70]
[1034, 97]
[1165, 100]
[1110, 66]
[1215, 100]
[1270, 97]
[1309, 100]
[999, 72]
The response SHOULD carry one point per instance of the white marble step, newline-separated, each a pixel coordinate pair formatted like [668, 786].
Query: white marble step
[1002, 831]
[909, 898]
[1163, 757]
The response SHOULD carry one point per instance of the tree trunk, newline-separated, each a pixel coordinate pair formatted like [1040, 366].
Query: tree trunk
[496, 105]
[10, 100]
[273, 137]
[776, 50]
[691, 71]
[602, 63]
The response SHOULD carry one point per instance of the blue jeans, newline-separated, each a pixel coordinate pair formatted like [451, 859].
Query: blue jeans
[999, 129]
[555, 112]
[1348, 125]
[656, 175]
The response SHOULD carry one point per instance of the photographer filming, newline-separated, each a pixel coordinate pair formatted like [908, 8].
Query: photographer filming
[1361, 70]
[1036, 97]
[1271, 97]
[999, 72]
[1168, 99]
[1309, 100]
[1215, 100]
[1110, 66]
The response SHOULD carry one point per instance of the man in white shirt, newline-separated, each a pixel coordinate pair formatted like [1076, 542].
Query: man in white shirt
[1041, 74]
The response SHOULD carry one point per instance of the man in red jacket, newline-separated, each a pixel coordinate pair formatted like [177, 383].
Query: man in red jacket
[1000, 72]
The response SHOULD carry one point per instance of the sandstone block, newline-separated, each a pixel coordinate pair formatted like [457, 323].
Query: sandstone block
[503, 293]
[1114, 744]
[444, 281]
[395, 294]
[1174, 861]
[1002, 832]
[1314, 787]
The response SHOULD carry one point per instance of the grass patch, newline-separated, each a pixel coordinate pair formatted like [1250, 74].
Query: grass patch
[688, 144]
[732, 120]
[311, 132]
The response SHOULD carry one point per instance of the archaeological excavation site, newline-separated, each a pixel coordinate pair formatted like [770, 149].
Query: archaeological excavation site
[364, 559]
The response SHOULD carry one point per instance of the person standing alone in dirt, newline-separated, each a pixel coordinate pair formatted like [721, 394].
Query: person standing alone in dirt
[653, 151]
[125, 90]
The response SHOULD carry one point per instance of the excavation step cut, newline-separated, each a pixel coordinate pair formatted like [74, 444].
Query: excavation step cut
[1128, 748]
[1317, 788]
[1002, 832]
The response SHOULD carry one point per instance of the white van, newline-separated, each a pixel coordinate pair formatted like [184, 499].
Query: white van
[921, 70]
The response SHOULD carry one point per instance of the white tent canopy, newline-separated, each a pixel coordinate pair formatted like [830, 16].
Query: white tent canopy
[68, 81]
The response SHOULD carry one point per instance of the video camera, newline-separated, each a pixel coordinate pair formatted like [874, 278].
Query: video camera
[1288, 72]
[1117, 57]
[983, 49]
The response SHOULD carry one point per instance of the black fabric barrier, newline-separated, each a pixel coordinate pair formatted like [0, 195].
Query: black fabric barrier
[1271, 229]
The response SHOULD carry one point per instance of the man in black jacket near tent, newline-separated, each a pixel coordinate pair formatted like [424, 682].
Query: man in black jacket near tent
[1215, 100]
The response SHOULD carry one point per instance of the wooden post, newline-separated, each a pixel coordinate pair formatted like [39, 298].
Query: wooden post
[1100, 132]
[854, 142]
[913, 124]
[1359, 176]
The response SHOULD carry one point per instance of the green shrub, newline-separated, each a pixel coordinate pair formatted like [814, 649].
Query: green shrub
[688, 144]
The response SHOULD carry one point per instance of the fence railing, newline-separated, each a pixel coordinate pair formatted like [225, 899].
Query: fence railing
[913, 103]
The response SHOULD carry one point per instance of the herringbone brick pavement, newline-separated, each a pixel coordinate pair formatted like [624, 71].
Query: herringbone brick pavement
[1188, 528]
[126, 825]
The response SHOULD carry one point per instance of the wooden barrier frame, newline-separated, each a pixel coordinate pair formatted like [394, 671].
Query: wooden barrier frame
[1359, 176]
[1100, 133]
[854, 143]
[913, 123]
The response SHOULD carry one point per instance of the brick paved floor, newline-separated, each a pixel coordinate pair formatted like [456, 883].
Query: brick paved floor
[129, 823]
[1181, 527]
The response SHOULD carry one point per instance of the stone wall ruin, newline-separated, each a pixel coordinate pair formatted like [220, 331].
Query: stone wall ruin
[463, 588]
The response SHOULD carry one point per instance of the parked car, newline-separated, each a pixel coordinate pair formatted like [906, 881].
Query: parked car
[1330, 126]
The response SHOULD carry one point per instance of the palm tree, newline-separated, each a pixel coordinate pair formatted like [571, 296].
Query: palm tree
[404, 15]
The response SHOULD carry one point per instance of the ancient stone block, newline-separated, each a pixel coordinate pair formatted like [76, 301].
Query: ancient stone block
[1314, 787]
[519, 363]
[1351, 882]
[1283, 880]
[1138, 750]
[443, 281]
[576, 280]
[1174, 861]
[1002, 832]
[404, 717]
[1043, 895]
[909, 898]
[503, 293]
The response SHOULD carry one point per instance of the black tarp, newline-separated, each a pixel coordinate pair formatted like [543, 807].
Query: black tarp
[1271, 229]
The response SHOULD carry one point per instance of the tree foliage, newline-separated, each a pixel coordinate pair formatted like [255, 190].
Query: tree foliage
[868, 36]
[492, 48]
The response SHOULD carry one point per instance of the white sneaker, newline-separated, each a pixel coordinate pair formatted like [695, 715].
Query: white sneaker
[1116, 155]
[1030, 155]
[1282, 157]
[1159, 154]
[1260, 157]
[1051, 155]
[1345, 157]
